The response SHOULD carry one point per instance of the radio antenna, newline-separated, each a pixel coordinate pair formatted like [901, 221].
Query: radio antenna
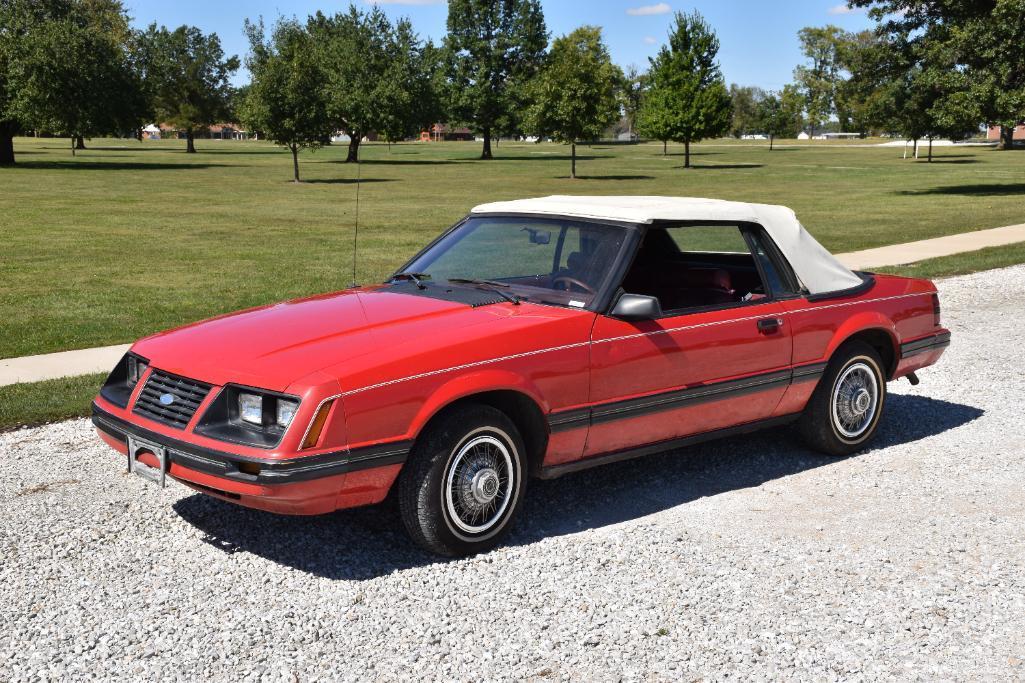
[355, 232]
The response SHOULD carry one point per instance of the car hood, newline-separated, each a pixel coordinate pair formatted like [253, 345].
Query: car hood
[273, 346]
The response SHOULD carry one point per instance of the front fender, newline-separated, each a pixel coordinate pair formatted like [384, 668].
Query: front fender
[477, 382]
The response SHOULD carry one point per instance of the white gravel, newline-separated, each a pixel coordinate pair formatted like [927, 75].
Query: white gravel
[748, 558]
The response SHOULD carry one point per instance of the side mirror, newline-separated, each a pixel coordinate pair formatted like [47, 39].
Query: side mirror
[539, 236]
[634, 307]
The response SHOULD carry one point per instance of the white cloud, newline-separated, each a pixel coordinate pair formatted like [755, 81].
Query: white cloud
[649, 40]
[648, 10]
[837, 10]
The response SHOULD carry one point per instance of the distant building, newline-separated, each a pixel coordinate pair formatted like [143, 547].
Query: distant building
[993, 133]
[803, 136]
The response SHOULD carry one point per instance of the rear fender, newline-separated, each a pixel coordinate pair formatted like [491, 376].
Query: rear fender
[863, 322]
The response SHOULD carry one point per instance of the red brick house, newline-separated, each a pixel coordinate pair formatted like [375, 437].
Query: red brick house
[993, 133]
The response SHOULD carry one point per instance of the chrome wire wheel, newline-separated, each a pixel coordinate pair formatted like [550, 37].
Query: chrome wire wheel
[479, 485]
[855, 400]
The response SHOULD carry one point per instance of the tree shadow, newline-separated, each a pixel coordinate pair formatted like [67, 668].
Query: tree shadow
[946, 160]
[369, 542]
[555, 156]
[609, 177]
[724, 166]
[71, 165]
[407, 162]
[345, 181]
[978, 190]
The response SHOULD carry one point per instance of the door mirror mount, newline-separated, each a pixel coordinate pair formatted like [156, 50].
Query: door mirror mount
[636, 307]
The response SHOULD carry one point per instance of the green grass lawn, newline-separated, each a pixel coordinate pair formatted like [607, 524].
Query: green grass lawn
[55, 399]
[128, 238]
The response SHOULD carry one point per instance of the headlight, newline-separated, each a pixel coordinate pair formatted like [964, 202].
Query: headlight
[123, 379]
[286, 411]
[245, 415]
[136, 369]
[250, 408]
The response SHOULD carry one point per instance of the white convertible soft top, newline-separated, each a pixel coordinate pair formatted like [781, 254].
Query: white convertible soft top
[818, 270]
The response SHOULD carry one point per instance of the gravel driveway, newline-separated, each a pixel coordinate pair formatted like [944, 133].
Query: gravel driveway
[748, 558]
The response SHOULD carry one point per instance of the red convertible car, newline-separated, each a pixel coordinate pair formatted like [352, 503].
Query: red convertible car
[533, 338]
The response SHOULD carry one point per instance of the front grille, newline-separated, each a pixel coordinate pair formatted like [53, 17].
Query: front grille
[187, 395]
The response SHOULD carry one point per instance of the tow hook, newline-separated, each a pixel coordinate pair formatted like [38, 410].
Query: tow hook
[913, 378]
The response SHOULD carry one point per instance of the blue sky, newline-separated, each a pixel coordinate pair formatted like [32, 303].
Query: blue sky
[759, 38]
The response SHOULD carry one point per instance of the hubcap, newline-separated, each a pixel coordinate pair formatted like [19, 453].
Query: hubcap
[479, 484]
[855, 400]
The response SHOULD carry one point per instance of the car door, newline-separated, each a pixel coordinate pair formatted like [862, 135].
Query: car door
[719, 356]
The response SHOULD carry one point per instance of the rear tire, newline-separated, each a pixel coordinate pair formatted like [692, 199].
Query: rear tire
[464, 482]
[843, 412]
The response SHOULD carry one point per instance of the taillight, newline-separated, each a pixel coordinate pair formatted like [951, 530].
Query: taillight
[936, 309]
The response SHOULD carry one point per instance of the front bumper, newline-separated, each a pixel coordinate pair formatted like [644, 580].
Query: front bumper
[311, 484]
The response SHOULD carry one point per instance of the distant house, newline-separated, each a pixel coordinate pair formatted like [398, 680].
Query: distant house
[448, 132]
[151, 132]
[803, 136]
[993, 133]
[226, 131]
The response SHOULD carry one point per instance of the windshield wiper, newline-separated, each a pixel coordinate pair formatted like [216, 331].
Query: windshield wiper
[492, 285]
[415, 278]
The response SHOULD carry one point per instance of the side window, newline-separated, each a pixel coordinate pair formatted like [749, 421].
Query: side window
[721, 239]
[781, 279]
[691, 267]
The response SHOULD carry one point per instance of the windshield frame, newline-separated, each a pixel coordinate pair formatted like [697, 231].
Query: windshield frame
[604, 293]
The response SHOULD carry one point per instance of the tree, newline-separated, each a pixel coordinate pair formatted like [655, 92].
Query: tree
[285, 99]
[778, 114]
[744, 99]
[634, 83]
[983, 42]
[575, 95]
[494, 49]
[65, 67]
[76, 80]
[687, 100]
[187, 77]
[379, 76]
[819, 78]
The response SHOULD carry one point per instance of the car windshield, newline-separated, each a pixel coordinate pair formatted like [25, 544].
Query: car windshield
[546, 260]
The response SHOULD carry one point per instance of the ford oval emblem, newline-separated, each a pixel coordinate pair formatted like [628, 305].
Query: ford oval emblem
[166, 399]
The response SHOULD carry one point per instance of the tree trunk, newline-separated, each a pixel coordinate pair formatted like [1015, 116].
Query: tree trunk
[1006, 138]
[770, 143]
[930, 150]
[573, 160]
[686, 153]
[79, 142]
[72, 145]
[665, 148]
[190, 141]
[486, 152]
[6, 144]
[353, 155]
[295, 163]
[915, 147]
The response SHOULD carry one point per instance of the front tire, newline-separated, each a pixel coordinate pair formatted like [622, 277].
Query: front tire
[844, 410]
[464, 483]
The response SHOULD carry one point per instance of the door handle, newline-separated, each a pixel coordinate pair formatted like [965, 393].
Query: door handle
[767, 325]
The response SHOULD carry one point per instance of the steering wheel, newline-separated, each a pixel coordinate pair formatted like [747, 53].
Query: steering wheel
[570, 282]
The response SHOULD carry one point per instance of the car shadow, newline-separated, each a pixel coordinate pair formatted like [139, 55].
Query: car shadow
[977, 190]
[369, 542]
